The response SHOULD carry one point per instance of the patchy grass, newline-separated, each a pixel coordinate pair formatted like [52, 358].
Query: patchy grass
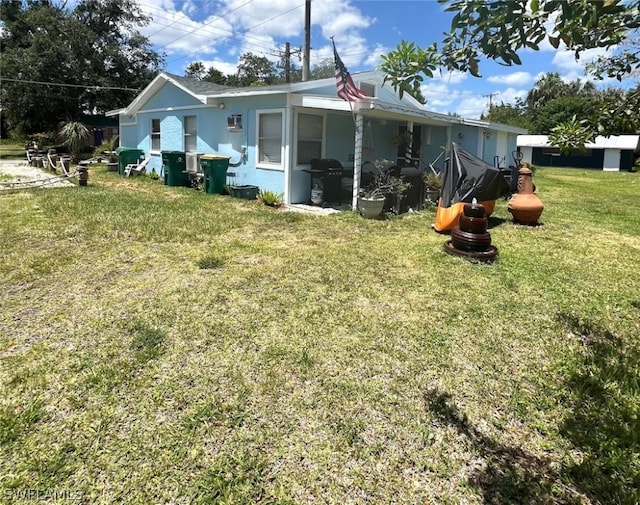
[161, 345]
[11, 150]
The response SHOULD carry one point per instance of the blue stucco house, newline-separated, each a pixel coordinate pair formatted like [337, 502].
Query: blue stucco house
[271, 133]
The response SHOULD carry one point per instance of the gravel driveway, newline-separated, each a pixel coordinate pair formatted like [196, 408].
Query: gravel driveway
[20, 171]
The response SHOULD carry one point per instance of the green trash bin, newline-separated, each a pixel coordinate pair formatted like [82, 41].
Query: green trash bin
[215, 172]
[174, 166]
[128, 155]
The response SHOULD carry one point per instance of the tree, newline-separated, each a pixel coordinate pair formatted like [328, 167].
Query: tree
[253, 70]
[323, 70]
[619, 111]
[620, 62]
[560, 110]
[404, 66]
[514, 115]
[195, 70]
[499, 29]
[571, 134]
[92, 57]
[551, 86]
[546, 88]
[214, 75]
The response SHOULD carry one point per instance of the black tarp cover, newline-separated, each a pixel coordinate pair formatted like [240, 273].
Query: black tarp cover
[467, 177]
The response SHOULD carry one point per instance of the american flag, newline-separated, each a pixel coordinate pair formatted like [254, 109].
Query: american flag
[347, 89]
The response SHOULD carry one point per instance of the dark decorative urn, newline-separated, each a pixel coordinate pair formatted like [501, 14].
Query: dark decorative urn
[470, 238]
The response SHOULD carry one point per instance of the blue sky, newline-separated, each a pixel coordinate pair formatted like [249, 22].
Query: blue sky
[218, 32]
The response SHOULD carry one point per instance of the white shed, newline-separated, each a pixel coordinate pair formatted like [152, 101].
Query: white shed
[611, 153]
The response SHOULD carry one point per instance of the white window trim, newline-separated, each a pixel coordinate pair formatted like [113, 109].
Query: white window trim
[151, 134]
[185, 134]
[295, 142]
[264, 164]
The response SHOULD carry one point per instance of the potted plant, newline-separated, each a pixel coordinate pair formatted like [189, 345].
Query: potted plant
[433, 185]
[402, 139]
[378, 189]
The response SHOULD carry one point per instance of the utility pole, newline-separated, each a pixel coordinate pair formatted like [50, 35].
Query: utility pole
[307, 40]
[490, 97]
[285, 60]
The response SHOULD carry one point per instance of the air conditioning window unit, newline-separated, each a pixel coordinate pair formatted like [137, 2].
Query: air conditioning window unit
[234, 123]
[193, 162]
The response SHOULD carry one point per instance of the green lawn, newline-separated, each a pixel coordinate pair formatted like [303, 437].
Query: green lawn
[160, 345]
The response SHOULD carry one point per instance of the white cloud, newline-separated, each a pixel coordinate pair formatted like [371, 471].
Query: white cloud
[472, 107]
[452, 77]
[509, 96]
[514, 78]
[571, 69]
[566, 60]
[438, 96]
[444, 97]
[225, 67]
[259, 27]
[373, 57]
[175, 33]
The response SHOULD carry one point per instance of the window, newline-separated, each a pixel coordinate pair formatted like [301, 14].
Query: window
[270, 139]
[190, 134]
[234, 123]
[368, 88]
[555, 151]
[310, 129]
[155, 134]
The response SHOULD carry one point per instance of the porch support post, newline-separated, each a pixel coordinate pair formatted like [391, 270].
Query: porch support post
[357, 160]
[409, 147]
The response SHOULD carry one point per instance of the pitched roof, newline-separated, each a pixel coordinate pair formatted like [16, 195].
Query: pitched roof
[203, 90]
[408, 108]
[197, 86]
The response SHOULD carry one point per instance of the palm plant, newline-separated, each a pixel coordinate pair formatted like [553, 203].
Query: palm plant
[75, 136]
[108, 146]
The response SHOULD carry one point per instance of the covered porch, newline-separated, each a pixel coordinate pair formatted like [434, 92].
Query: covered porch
[359, 139]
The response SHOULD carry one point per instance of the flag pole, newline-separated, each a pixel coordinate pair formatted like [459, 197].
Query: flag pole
[347, 90]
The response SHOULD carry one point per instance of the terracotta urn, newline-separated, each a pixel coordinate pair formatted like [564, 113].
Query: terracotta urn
[525, 206]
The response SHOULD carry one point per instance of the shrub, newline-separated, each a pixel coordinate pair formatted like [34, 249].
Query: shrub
[270, 198]
[210, 262]
[44, 140]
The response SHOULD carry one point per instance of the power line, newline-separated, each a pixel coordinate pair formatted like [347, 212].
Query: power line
[221, 16]
[164, 27]
[215, 31]
[285, 59]
[64, 85]
[234, 35]
[490, 97]
[206, 29]
[237, 35]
